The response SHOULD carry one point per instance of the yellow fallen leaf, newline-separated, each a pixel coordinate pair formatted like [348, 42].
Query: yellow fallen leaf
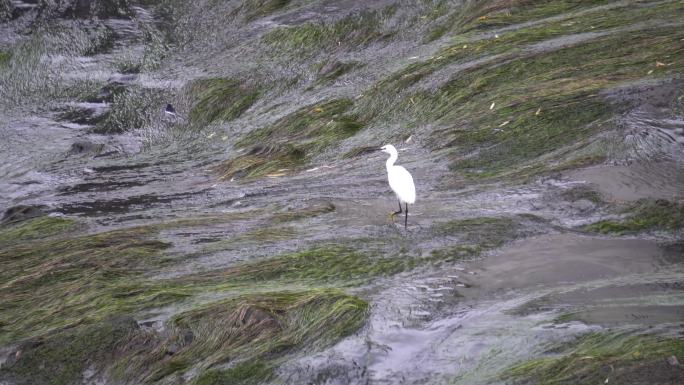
[538, 111]
[465, 46]
[492, 106]
[650, 72]
[504, 123]
[318, 109]
[660, 64]
[276, 175]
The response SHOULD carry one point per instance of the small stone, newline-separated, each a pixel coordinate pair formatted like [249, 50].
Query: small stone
[673, 361]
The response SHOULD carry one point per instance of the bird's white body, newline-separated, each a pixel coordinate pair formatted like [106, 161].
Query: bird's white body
[400, 180]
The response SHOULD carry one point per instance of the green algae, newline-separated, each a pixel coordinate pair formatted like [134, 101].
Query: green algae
[601, 357]
[220, 99]
[643, 216]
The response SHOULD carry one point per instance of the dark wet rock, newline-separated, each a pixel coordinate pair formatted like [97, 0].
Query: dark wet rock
[85, 147]
[21, 213]
[99, 186]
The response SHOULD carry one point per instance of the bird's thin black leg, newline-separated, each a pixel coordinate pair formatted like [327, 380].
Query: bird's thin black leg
[406, 217]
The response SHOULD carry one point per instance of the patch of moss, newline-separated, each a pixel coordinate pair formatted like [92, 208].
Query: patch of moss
[36, 228]
[645, 215]
[220, 99]
[604, 357]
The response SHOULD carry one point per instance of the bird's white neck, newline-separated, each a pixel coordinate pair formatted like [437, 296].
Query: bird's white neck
[391, 160]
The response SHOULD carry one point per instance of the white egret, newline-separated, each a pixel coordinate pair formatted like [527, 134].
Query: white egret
[400, 181]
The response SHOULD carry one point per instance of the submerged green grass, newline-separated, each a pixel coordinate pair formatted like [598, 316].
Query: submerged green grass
[220, 99]
[601, 358]
[644, 215]
[42, 227]
[314, 38]
[249, 333]
[523, 102]
[53, 283]
[259, 8]
[62, 357]
[286, 145]
[4, 57]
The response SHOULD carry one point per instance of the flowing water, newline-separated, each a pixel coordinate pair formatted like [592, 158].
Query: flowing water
[535, 277]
